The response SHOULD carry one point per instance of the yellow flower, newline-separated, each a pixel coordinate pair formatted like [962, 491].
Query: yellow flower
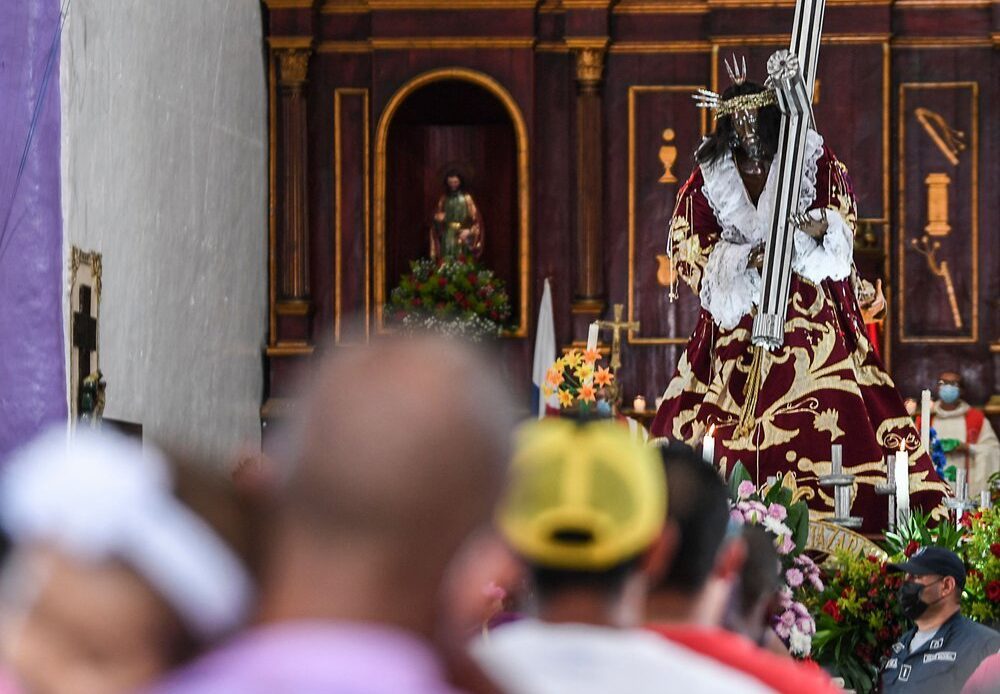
[603, 377]
[584, 373]
[565, 398]
[591, 355]
[573, 358]
[547, 391]
[587, 393]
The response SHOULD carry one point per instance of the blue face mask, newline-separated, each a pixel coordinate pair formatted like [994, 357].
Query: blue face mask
[948, 393]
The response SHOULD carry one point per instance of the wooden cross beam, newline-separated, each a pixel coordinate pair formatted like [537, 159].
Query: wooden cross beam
[794, 87]
[616, 327]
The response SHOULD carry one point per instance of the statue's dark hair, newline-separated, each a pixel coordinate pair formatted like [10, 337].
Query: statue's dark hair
[457, 174]
[768, 126]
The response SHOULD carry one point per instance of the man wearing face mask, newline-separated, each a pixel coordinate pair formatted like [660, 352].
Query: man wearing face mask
[944, 648]
[978, 450]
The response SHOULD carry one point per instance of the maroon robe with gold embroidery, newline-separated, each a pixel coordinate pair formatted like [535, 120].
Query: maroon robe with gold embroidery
[826, 385]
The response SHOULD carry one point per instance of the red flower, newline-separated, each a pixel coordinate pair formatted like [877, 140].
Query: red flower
[472, 278]
[911, 548]
[967, 521]
[830, 607]
[873, 559]
[442, 282]
[993, 591]
[995, 548]
[416, 301]
[459, 297]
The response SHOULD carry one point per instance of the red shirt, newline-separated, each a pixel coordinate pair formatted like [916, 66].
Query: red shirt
[739, 653]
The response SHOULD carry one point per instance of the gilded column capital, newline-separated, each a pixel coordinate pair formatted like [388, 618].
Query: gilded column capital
[590, 66]
[293, 65]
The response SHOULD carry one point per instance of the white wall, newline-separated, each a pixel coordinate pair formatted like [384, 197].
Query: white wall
[164, 167]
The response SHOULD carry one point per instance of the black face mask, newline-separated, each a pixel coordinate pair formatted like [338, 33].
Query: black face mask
[909, 599]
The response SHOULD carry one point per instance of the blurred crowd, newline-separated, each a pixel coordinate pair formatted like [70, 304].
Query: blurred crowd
[408, 534]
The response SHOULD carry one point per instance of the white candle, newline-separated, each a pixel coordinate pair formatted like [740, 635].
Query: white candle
[639, 404]
[984, 499]
[961, 486]
[592, 337]
[708, 446]
[902, 487]
[925, 420]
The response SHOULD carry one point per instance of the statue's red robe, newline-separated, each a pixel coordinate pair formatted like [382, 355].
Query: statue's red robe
[825, 386]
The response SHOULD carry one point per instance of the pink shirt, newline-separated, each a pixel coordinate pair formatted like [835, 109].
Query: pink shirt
[312, 657]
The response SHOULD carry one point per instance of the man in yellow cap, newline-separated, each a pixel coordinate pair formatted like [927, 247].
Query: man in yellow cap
[585, 513]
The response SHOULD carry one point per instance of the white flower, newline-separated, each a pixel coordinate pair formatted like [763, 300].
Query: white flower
[798, 643]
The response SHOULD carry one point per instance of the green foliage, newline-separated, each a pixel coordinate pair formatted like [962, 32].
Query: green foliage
[857, 618]
[456, 296]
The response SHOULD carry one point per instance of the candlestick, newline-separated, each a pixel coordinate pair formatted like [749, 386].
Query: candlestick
[592, 337]
[836, 459]
[925, 420]
[708, 446]
[902, 475]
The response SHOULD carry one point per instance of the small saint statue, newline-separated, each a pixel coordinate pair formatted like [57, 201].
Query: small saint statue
[457, 228]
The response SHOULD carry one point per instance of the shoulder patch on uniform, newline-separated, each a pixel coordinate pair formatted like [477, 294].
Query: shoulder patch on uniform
[897, 647]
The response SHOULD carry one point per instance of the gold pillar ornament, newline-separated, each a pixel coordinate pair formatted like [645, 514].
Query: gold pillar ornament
[589, 67]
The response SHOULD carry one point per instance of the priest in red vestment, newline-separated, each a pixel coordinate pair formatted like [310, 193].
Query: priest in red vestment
[826, 385]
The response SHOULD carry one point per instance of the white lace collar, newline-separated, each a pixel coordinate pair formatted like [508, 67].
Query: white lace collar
[731, 204]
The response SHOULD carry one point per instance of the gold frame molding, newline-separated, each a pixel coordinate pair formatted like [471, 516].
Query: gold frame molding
[523, 172]
[973, 86]
[338, 231]
[634, 89]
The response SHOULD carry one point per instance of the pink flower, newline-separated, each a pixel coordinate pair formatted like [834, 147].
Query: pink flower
[788, 618]
[794, 577]
[787, 545]
[736, 517]
[745, 490]
[777, 512]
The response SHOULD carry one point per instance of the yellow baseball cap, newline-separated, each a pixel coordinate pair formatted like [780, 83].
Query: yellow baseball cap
[582, 496]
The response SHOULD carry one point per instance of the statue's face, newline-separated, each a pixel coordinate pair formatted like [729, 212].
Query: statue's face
[745, 134]
[454, 183]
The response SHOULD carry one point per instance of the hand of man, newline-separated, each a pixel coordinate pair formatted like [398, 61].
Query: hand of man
[756, 258]
[813, 227]
[962, 447]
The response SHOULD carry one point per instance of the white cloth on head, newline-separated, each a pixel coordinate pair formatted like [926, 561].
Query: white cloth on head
[533, 657]
[99, 496]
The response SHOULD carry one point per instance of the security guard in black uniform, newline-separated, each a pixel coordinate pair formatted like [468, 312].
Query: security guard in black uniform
[942, 651]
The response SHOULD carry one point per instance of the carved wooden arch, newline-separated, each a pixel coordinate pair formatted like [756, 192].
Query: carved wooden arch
[521, 133]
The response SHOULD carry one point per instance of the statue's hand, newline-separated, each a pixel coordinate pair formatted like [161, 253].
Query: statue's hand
[813, 227]
[439, 216]
[873, 305]
[756, 258]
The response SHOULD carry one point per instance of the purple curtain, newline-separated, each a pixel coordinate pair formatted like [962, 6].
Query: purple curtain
[32, 378]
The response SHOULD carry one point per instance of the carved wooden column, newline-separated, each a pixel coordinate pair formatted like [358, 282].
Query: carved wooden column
[588, 299]
[293, 305]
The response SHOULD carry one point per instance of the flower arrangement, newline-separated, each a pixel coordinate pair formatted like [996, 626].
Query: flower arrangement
[577, 380]
[788, 525]
[981, 551]
[456, 297]
[857, 618]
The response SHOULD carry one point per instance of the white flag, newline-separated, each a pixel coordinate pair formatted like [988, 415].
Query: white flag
[545, 351]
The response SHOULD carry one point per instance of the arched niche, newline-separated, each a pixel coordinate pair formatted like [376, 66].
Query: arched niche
[453, 118]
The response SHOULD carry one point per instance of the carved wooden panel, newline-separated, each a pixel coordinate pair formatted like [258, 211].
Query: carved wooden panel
[938, 241]
[663, 129]
[352, 208]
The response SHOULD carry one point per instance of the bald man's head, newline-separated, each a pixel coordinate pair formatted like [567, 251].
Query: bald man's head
[403, 443]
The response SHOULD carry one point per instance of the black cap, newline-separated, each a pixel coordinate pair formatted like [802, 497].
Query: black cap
[933, 561]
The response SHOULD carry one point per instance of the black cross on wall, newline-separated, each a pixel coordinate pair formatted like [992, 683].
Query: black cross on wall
[84, 338]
